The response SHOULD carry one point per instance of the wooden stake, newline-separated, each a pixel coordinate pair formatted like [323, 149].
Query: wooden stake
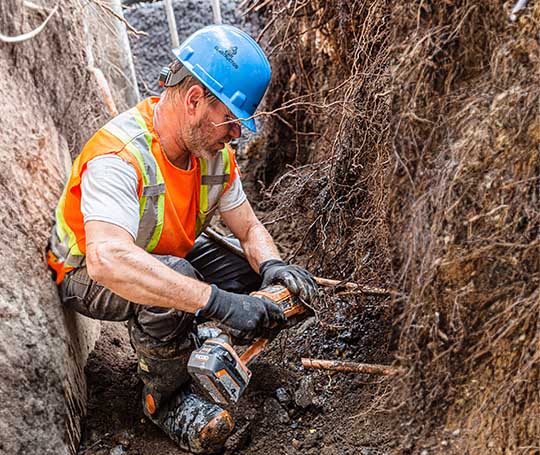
[352, 367]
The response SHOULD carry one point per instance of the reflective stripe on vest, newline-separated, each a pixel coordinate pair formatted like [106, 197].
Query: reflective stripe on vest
[63, 240]
[214, 178]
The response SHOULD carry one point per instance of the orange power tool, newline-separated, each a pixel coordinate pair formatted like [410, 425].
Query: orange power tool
[223, 374]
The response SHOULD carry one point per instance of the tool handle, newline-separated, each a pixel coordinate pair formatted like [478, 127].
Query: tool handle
[292, 308]
[254, 350]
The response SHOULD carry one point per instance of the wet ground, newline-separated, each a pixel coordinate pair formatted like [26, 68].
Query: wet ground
[286, 409]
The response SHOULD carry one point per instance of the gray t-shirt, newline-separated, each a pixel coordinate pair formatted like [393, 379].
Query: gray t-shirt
[109, 193]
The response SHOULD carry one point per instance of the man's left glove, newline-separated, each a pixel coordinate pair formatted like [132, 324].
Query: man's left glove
[296, 279]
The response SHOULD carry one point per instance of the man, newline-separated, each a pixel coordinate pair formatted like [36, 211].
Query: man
[142, 190]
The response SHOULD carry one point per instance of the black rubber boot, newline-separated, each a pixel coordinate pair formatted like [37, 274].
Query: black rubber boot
[193, 423]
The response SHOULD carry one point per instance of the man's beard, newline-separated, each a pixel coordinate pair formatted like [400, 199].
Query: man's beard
[197, 139]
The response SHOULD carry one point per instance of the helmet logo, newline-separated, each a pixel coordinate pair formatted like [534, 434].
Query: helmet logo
[229, 54]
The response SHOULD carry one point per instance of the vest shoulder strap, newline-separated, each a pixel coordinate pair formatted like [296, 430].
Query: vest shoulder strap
[132, 130]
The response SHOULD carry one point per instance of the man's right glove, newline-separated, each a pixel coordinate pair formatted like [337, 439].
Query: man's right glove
[245, 316]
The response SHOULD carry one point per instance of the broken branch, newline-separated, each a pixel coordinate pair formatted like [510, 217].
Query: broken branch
[352, 367]
[111, 11]
[354, 286]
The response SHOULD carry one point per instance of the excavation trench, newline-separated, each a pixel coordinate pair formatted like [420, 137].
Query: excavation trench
[286, 409]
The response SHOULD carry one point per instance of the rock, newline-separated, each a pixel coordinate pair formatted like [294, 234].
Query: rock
[312, 439]
[297, 444]
[368, 451]
[118, 450]
[272, 409]
[346, 335]
[250, 414]
[305, 394]
[283, 396]
[239, 439]
[125, 438]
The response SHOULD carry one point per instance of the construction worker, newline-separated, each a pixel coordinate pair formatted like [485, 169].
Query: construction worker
[128, 244]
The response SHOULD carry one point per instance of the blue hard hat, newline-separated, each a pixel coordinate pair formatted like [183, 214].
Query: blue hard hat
[230, 64]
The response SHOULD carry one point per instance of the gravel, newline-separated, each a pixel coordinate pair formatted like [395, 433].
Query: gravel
[152, 52]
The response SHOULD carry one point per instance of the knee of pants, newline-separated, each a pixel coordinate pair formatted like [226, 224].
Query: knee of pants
[179, 265]
[164, 331]
[80, 293]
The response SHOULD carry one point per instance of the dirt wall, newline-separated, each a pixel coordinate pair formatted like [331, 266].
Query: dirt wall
[50, 106]
[412, 132]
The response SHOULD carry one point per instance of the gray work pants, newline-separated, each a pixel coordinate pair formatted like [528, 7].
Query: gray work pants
[162, 337]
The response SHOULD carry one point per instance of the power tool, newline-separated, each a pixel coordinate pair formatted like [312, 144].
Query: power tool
[223, 374]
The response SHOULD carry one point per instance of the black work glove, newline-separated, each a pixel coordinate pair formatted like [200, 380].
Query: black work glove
[296, 279]
[246, 317]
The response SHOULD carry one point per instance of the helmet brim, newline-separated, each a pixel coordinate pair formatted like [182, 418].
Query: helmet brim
[249, 124]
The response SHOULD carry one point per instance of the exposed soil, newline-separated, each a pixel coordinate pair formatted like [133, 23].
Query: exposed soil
[286, 409]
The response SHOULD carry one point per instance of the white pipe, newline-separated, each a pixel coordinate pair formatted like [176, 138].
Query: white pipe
[123, 58]
[172, 24]
[216, 10]
[516, 9]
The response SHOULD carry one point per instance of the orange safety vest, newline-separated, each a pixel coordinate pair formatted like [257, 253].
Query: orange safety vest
[175, 204]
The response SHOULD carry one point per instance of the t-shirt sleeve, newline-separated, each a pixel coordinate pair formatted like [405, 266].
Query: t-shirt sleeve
[234, 196]
[109, 193]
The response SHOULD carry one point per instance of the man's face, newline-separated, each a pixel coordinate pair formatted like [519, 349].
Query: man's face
[214, 127]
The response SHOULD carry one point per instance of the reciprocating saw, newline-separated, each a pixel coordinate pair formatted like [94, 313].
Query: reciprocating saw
[223, 374]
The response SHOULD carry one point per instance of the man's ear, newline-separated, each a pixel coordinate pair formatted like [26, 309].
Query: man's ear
[193, 99]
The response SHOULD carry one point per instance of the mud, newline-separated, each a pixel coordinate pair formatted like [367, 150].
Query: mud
[286, 409]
